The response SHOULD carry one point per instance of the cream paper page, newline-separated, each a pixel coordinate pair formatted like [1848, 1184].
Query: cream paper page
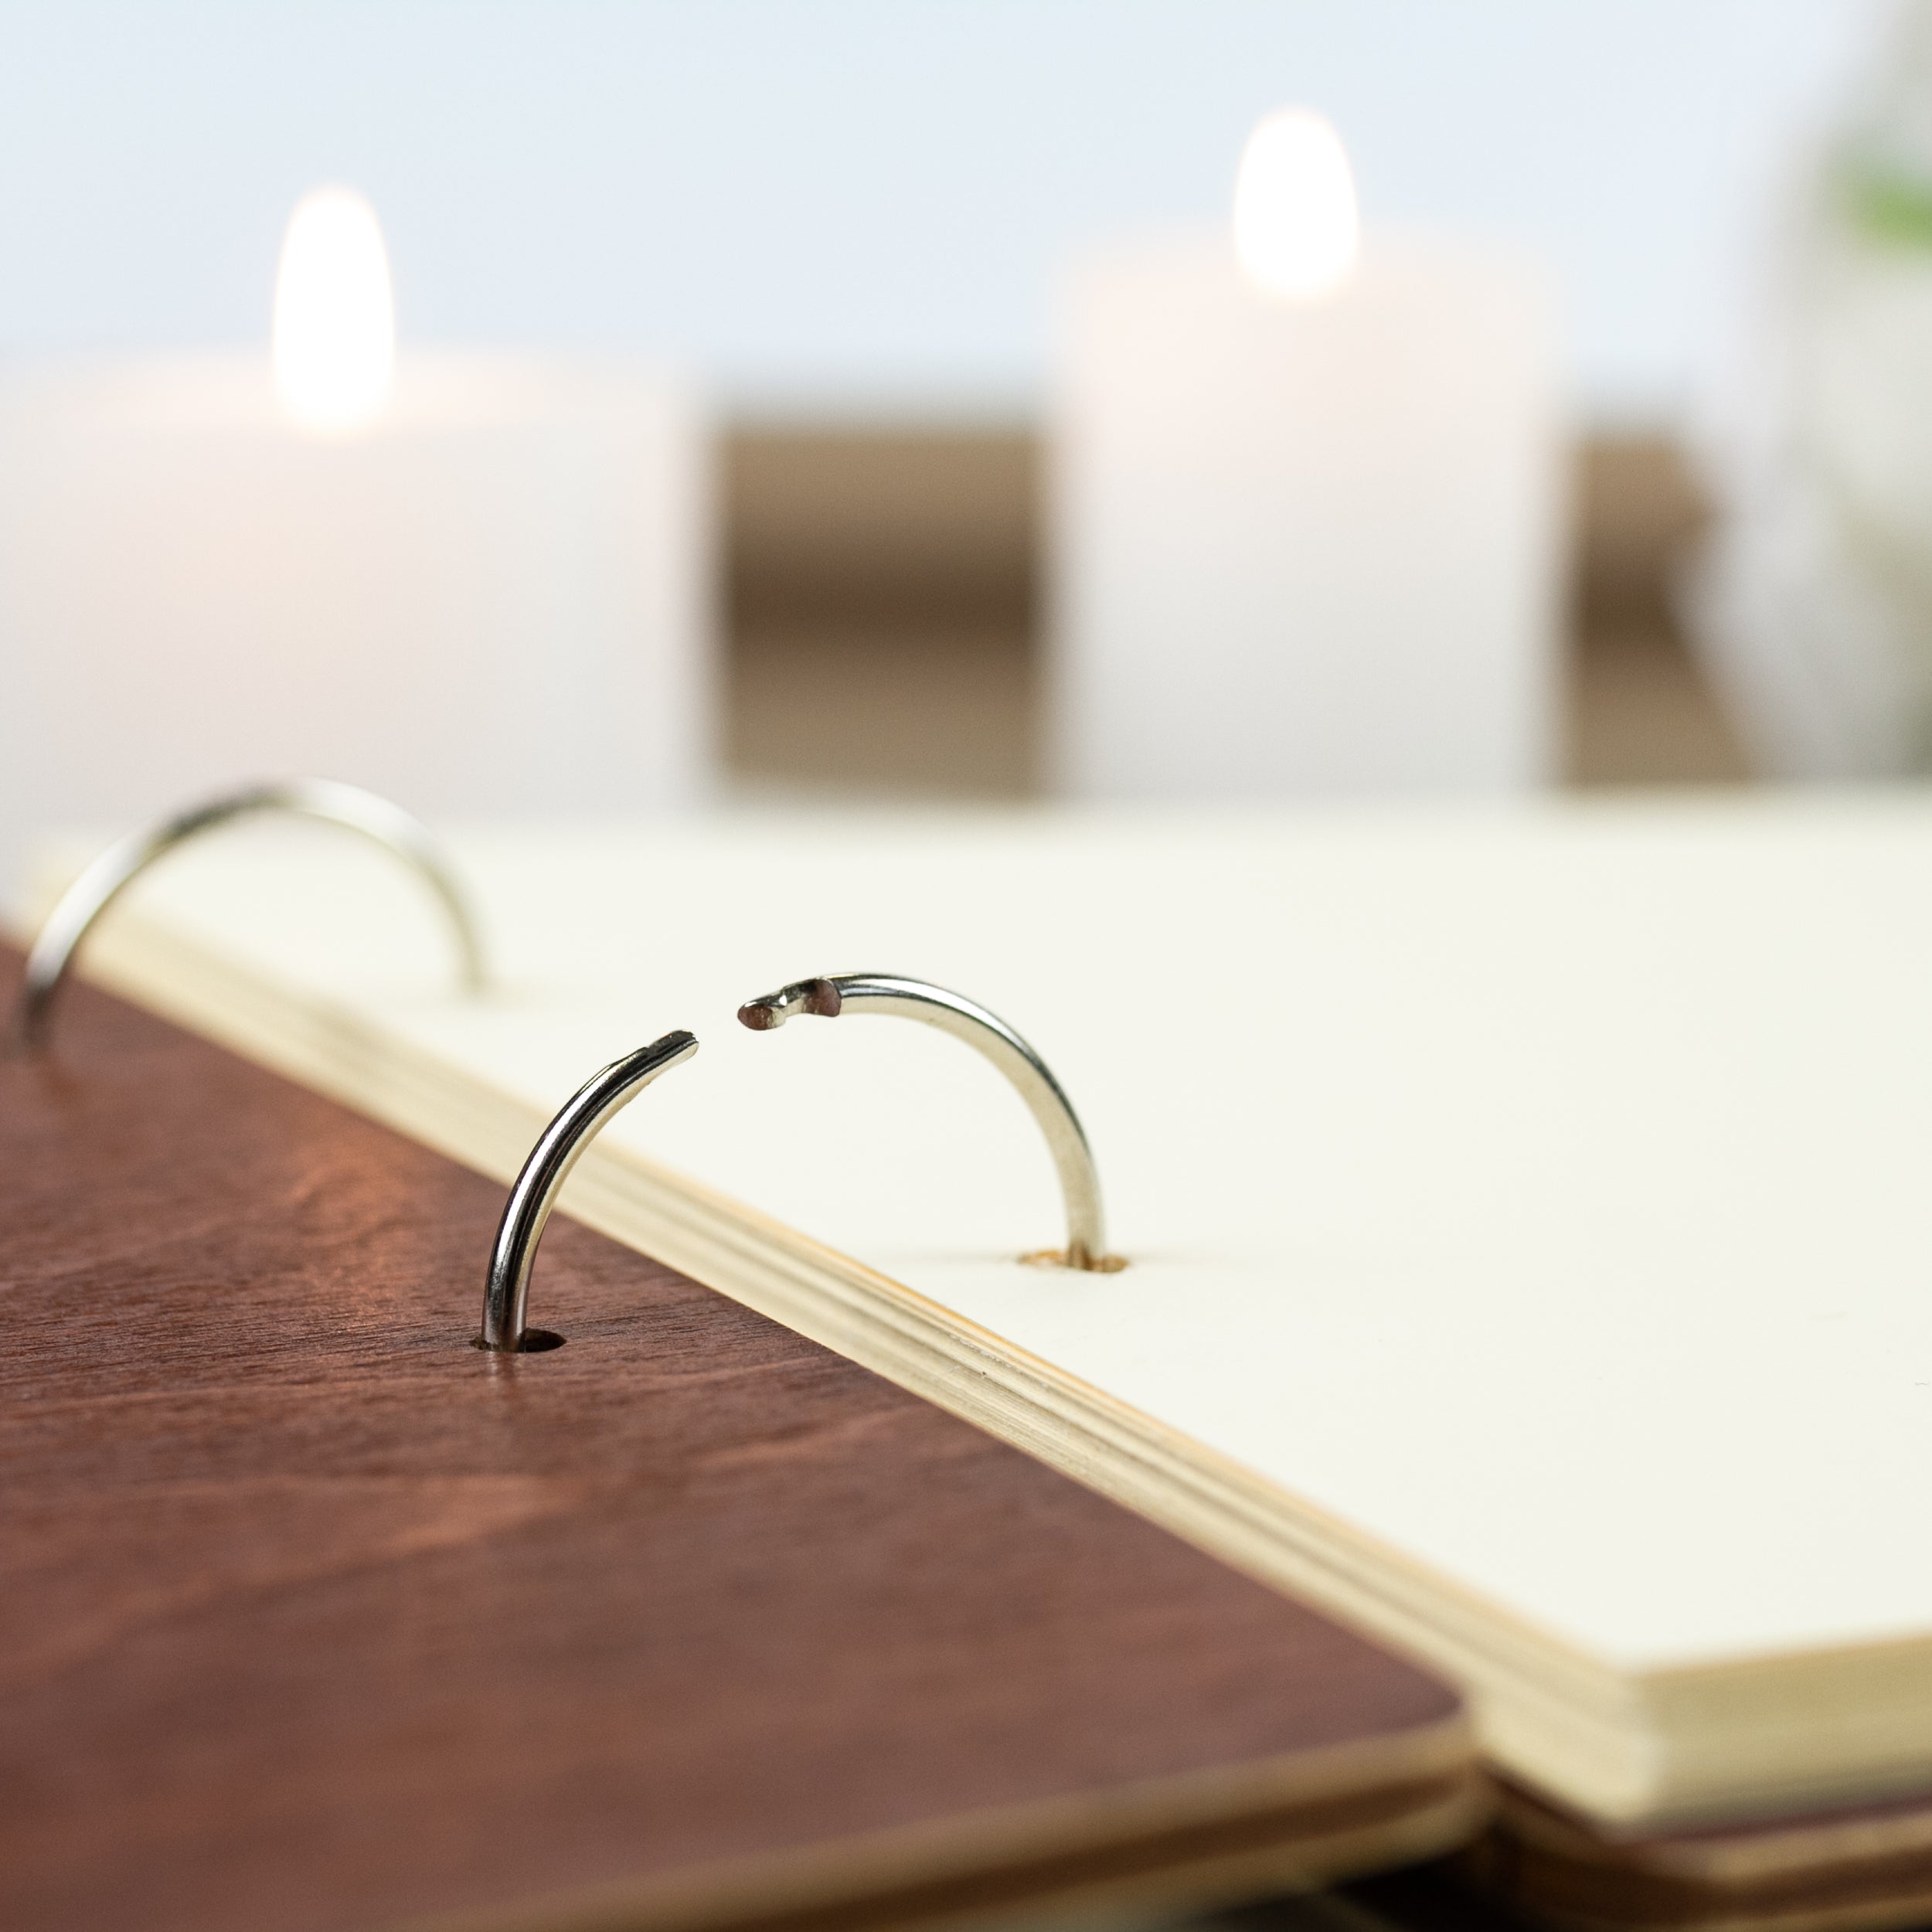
[1543, 1193]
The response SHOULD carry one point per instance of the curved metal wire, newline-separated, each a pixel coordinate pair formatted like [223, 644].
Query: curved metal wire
[326, 799]
[989, 1034]
[506, 1291]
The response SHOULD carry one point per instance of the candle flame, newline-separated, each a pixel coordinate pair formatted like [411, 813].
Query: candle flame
[335, 315]
[1296, 230]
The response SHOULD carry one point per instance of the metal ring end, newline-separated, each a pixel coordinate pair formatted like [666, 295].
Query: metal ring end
[768, 1010]
[583, 1116]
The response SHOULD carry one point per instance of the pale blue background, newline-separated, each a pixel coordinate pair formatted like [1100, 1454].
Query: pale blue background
[832, 204]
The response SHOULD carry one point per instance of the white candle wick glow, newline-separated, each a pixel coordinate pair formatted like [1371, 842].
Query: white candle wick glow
[1296, 230]
[335, 315]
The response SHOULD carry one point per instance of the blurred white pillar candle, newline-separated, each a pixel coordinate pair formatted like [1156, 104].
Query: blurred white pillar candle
[1305, 503]
[479, 583]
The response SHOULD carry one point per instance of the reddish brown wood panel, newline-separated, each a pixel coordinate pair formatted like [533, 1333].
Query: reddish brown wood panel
[312, 1616]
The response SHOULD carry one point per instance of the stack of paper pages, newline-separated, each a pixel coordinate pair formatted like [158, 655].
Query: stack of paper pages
[1527, 1210]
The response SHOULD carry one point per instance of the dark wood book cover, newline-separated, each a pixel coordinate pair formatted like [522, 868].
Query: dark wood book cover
[313, 1617]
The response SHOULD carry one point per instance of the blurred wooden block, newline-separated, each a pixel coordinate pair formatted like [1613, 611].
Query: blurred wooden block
[1640, 510]
[883, 585]
[937, 714]
[907, 527]
[1641, 713]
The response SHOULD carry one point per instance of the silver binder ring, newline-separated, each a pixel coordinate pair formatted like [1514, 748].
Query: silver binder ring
[507, 1290]
[349, 806]
[987, 1034]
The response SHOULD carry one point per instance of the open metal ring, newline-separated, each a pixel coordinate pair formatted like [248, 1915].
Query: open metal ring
[966, 1020]
[336, 804]
[507, 1290]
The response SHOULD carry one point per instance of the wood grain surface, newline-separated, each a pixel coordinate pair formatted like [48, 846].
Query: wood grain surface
[313, 1615]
